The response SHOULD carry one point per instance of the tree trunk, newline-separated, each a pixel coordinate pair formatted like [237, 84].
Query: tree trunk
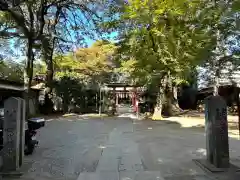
[49, 75]
[175, 97]
[168, 109]
[48, 47]
[170, 106]
[48, 44]
[96, 97]
[65, 101]
[65, 107]
[28, 74]
[157, 115]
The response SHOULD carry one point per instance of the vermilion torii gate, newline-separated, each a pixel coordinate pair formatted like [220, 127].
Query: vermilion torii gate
[125, 93]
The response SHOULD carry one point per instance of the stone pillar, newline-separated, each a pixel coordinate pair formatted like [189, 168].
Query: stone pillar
[12, 153]
[216, 128]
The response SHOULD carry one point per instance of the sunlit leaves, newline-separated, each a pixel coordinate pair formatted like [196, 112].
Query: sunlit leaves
[236, 6]
[12, 71]
[93, 64]
[169, 36]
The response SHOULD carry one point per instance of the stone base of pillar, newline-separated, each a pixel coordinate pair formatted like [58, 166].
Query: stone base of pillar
[11, 175]
[206, 166]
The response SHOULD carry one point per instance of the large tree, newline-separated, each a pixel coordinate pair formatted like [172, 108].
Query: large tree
[40, 24]
[85, 69]
[166, 40]
[164, 44]
[225, 55]
[68, 23]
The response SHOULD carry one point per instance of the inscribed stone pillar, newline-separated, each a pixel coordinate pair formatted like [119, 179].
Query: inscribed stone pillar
[11, 134]
[216, 127]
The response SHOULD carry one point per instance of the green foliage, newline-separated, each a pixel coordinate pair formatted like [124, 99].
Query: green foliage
[226, 53]
[46, 26]
[167, 36]
[39, 68]
[76, 94]
[163, 42]
[12, 71]
[90, 65]
[70, 90]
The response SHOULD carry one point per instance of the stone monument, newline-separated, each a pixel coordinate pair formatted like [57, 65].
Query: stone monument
[217, 145]
[13, 134]
[216, 127]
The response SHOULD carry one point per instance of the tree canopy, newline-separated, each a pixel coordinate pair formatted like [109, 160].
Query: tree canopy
[90, 65]
[12, 71]
[163, 42]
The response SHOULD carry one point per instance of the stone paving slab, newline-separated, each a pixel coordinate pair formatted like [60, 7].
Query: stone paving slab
[109, 151]
[108, 164]
[189, 177]
[130, 162]
[89, 161]
[140, 175]
[98, 176]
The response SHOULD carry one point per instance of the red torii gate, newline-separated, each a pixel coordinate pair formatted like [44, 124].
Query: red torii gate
[120, 90]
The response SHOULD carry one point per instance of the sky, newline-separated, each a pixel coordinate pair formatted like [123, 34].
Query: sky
[111, 37]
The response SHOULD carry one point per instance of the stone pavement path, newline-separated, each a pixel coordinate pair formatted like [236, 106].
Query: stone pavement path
[67, 147]
[122, 159]
[120, 148]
